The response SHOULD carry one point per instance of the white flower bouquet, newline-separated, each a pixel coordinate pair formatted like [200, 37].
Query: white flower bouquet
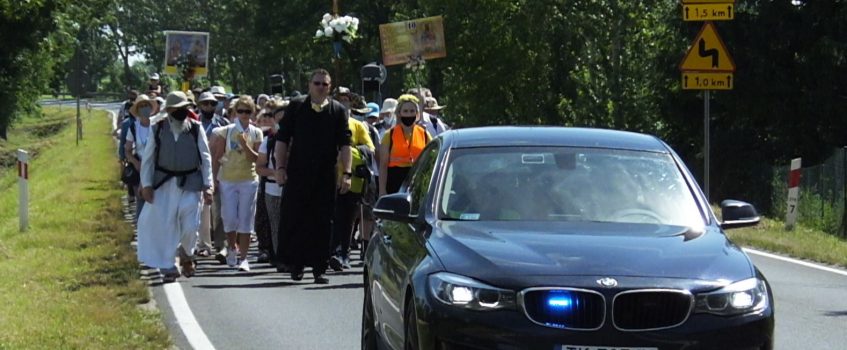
[337, 28]
[416, 63]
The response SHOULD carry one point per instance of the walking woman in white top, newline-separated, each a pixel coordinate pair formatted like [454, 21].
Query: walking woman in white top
[234, 154]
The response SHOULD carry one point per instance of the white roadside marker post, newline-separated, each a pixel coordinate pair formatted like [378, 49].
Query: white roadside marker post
[793, 194]
[23, 179]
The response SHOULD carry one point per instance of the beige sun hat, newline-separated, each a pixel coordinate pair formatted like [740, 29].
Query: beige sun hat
[144, 99]
[388, 105]
[431, 104]
[176, 99]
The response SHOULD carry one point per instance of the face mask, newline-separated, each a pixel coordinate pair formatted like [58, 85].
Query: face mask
[219, 109]
[408, 121]
[180, 114]
[389, 121]
[265, 129]
[207, 115]
[145, 111]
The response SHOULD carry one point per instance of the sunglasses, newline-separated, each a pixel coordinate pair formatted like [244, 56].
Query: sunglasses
[319, 83]
[209, 103]
[243, 111]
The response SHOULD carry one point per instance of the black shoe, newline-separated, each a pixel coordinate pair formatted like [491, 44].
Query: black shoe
[282, 268]
[320, 279]
[262, 258]
[221, 258]
[335, 263]
[297, 273]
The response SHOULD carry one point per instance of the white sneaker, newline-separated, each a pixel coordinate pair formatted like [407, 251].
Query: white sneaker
[232, 258]
[244, 266]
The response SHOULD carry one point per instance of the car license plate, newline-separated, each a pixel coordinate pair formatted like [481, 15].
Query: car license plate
[584, 347]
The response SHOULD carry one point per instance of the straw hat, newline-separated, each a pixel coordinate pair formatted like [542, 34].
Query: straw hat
[141, 99]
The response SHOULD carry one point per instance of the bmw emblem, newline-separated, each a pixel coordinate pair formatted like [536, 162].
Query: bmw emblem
[607, 282]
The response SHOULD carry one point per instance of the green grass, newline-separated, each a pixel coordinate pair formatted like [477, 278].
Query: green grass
[802, 242]
[72, 280]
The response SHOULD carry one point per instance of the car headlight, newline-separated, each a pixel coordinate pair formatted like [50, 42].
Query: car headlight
[464, 292]
[750, 295]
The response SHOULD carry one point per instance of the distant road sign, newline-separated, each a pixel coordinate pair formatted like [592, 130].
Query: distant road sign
[708, 12]
[707, 81]
[707, 53]
[708, 2]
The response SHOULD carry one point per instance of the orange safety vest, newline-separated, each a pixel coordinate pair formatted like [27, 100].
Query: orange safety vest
[403, 152]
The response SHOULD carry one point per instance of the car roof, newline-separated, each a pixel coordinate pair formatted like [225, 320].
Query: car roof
[493, 136]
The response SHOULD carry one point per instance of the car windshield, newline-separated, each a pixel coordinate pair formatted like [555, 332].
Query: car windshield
[566, 184]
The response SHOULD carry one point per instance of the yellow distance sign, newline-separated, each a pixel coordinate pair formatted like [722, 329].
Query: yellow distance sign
[708, 1]
[706, 81]
[708, 12]
[707, 53]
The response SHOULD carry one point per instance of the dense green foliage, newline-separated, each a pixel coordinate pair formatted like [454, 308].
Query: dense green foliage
[563, 62]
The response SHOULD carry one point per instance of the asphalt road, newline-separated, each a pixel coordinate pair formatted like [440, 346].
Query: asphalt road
[263, 309]
[811, 305]
[266, 309]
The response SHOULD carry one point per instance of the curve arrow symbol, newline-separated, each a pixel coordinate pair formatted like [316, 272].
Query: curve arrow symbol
[710, 52]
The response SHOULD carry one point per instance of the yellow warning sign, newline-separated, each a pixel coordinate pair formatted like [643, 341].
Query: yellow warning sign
[706, 81]
[707, 53]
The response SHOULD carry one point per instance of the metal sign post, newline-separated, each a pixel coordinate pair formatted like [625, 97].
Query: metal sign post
[707, 65]
[23, 179]
[706, 126]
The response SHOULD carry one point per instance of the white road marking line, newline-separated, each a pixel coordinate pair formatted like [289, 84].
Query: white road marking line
[795, 261]
[185, 318]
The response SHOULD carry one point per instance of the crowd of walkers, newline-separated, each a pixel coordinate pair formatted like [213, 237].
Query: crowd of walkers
[211, 172]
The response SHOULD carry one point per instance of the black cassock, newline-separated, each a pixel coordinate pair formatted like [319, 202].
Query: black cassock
[308, 199]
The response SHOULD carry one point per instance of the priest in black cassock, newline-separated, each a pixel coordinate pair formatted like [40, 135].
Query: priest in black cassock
[316, 132]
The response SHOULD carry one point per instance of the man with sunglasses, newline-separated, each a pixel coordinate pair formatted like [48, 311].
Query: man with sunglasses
[316, 131]
[208, 233]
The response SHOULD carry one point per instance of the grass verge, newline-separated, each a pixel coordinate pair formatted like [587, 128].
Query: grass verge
[72, 280]
[802, 242]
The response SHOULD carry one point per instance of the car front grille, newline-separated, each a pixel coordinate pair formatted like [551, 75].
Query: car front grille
[566, 308]
[641, 310]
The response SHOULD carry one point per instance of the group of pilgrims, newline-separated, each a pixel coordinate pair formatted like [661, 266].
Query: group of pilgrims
[298, 175]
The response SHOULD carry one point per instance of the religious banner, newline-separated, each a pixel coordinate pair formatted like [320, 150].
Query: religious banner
[403, 41]
[186, 53]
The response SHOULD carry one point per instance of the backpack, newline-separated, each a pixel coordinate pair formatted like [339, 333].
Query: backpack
[194, 130]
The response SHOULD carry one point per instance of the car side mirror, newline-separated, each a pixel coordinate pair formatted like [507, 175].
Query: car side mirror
[738, 214]
[394, 207]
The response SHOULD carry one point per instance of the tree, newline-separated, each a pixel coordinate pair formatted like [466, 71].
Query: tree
[24, 61]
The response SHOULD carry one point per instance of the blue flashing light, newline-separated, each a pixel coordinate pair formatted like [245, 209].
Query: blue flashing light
[559, 302]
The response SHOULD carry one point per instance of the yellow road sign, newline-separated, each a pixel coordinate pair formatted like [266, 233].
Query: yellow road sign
[707, 53]
[707, 81]
[708, 2]
[708, 12]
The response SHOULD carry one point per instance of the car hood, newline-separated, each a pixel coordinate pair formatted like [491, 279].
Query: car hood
[493, 250]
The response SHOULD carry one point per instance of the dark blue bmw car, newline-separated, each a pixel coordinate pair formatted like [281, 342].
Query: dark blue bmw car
[559, 238]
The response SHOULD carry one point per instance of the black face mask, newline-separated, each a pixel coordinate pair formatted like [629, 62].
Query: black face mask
[408, 121]
[180, 114]
[207, 115]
